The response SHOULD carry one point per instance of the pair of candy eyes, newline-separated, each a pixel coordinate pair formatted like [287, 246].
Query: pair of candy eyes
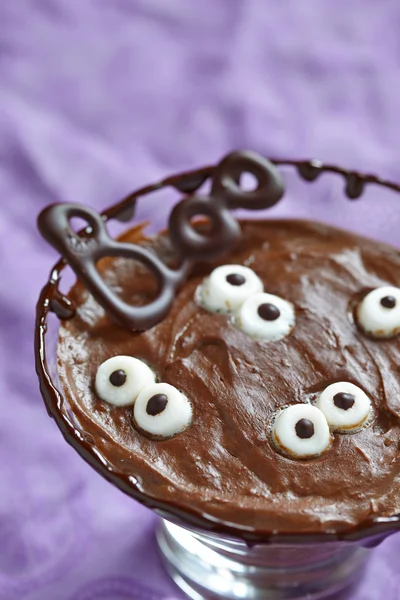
[304, 430]
[237, 290]
[159, 409]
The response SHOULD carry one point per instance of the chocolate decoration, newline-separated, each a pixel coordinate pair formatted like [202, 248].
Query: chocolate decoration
[310, 170]
[225, 195]
[190, 242]
[83, 252]
[156, 404]
[367, 526]
[191, 181]
[118, 378]
[125, 209]
[388, 302]
[188, 184]
[226, 180]
[304, 429]
[344, 400]
[354, 182]
[126, 214]
[269, 312]
[235, 279]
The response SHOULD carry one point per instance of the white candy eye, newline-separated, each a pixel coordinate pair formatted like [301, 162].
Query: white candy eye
[120, 379]
[301, 431]
[227, 287]
[345, 406]
[162, 410]
[378, 314]
[266, 317]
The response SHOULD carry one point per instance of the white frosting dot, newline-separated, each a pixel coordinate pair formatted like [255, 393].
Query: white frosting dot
[301, 420]
[218, 294]
[374, 317]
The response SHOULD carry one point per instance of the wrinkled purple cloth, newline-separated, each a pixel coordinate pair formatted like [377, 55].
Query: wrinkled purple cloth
[97, 98]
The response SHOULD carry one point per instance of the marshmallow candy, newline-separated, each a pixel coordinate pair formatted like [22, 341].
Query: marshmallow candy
[227, 287]
[120, 379]
[301, 431]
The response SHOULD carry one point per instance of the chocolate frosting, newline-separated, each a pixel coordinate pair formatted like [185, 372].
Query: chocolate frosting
[223, 471]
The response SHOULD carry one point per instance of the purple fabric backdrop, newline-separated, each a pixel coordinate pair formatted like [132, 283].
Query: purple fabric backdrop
[97, 98]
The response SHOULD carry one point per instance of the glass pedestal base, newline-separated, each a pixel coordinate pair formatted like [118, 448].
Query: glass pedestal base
[211, 567]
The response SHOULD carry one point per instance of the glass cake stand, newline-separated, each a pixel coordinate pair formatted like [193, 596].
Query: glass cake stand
[214, 567]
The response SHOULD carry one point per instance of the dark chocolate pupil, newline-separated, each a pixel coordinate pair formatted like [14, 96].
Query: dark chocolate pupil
[304, 429]
[344, 400]
[235, 279]
[269, 312]
[118, 378]
[388, 301]
[156, 404]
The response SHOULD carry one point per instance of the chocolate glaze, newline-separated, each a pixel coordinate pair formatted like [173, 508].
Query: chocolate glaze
[373, 451]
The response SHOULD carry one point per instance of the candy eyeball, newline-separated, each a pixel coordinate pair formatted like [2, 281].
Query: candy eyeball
[227, 287]
[301, 431]
[345, 406]
[120, 379]
[162, 411]
[266, 317]
[378, 314]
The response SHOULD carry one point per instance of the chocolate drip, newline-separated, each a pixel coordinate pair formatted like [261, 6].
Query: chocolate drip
[355, 185]
[188, 183]
[310, 170]
[126, 213]
[61, 306]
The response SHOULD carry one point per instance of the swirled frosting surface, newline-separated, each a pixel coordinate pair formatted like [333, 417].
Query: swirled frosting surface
[224, 466]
